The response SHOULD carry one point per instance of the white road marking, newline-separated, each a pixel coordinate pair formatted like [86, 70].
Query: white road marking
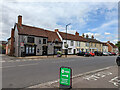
[97, 75]
[114, 81]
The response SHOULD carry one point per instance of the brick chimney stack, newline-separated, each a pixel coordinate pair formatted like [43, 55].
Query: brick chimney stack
[108, 41]
[20, 20]
[92, 37]
[87, 36]
[83, 35]
[77, 34]
[56, 30]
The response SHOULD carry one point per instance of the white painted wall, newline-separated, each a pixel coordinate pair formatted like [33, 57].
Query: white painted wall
[105, 48]
[69, 46]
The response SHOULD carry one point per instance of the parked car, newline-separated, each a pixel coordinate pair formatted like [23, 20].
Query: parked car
[92, 54]
[105, 54]
[109, 53]
[97, 53]
[87, 54]
[118, 60]
[81, 54]
[113, 53]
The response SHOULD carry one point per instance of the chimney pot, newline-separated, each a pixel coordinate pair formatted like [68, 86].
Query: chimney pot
[92, 37]
[20, 20]
[87, 36]
[83, 35]
[77, 34]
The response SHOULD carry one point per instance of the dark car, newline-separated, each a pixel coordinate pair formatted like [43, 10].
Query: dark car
[113, 53]
[97, 53]
[118, 60]
[81, 54]
[87, 54]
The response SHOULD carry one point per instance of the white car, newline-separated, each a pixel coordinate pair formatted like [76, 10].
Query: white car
[105, 54]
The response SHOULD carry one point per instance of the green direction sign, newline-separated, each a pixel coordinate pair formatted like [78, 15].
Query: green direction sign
[65, 77]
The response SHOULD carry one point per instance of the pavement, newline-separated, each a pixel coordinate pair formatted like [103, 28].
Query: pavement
[101, 78]
[6, 58]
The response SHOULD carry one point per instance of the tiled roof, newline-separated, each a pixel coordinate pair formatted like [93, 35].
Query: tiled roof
[52, 36]
[29, 30]
[93, 40]
[113, 45]
[104, 44]
[72, 37]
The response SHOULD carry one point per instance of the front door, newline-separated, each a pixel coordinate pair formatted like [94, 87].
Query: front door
[74, 51]
[44, 49]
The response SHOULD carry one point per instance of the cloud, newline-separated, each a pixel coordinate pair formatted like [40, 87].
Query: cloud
[96, 35]
[104, 26]
[51, 15]
[107, 33]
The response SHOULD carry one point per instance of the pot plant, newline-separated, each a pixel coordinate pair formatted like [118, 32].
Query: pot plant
[59, 53]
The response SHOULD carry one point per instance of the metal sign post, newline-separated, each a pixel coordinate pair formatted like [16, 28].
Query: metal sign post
[65, 77]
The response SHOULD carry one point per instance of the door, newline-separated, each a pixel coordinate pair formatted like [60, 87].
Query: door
[74, 51]
[44, 49]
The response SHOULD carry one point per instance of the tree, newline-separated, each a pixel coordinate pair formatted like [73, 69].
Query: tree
[118, 45]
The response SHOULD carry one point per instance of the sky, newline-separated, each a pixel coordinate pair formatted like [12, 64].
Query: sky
[93, 18]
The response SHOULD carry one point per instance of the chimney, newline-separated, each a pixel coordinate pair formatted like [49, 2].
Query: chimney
[20, 20]
[77, 34]
[108, 41]
[56, 30]
[92, 37]
[87, 36]
[83, 35]
[12, 42]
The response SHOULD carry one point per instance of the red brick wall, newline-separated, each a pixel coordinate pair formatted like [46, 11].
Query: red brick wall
[109, 48]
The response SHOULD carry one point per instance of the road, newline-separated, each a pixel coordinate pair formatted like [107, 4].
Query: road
[27, 73]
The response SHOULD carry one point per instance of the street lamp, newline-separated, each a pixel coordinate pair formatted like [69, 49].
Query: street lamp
[66, 38]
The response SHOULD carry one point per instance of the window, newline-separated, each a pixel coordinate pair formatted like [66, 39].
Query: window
[39, 41]
[30, 39]
[37, 50]
[44, 41]
[79, 44]
[26, 49]
[64, 43]
[33, 49]
[95, 44]
[72, 43]
[91, 44]
[87, 44]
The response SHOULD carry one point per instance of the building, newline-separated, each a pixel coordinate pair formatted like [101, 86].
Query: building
[93, 44]
[105, 47]
[75, 42]
[8, 46]
[112, 47]
[3, 47]
[27, 40]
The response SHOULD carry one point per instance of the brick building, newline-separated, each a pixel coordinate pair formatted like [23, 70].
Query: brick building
[30, 40]
[112, 47]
